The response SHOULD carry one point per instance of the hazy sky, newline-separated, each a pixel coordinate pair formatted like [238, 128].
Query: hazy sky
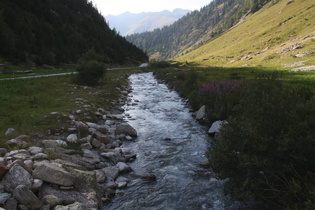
[116, 7]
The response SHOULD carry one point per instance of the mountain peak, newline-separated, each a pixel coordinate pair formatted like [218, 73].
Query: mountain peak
[129, 23]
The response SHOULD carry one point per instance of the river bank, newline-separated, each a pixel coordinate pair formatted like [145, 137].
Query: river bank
[76, 168]
[76, 161]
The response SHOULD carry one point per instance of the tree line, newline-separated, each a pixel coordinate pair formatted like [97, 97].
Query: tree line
[56, 32]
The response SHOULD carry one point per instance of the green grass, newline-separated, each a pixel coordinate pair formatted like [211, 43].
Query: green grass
[26, 105]
[274, 27]
[296, 79]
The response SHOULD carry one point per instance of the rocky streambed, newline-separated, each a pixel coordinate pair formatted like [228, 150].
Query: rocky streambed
[53, 175]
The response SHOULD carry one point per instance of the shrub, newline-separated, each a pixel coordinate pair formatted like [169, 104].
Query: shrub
[90, 73]
[90, 68]
[267, 147]
[220, 97]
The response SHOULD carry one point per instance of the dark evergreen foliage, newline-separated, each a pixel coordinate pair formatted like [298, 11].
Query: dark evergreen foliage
[195, 28]
[59, 31]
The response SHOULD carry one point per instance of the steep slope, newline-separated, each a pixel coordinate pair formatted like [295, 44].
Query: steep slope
[194, 28]
[57, 31]
[130, 23]
[282, 33]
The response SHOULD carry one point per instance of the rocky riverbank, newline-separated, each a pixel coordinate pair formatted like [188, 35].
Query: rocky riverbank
[80, 168]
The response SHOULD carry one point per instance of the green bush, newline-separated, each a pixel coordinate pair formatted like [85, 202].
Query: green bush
[90, 73]
[91, 69]
[267, 147]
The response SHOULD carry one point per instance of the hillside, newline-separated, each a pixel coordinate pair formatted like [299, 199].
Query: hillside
[130, 23]
[57, 32]
[195, 28]
[282, 33]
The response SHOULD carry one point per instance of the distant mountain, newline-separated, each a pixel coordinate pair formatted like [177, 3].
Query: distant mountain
[130, 23]
[59, 32]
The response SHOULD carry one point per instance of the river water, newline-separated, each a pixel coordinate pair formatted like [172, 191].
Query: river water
[171, 145]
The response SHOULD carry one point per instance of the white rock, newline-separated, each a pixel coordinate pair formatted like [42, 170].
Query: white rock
[129, 138]
[201, 113]
[121, 184]
[10, 132]
[40, 156]
[72, 138]
[216, 126]
[54, 143]
[35, 150]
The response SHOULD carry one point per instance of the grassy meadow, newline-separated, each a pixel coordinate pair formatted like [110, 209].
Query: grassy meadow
[261, 39]
[26, 104]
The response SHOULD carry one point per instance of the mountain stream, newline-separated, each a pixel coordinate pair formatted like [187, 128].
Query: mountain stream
[171, 144]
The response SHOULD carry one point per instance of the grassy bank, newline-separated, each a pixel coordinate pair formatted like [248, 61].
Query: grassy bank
[190, 82]
[26, 105]
[266, 147]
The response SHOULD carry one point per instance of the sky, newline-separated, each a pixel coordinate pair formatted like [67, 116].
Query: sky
[117, 7]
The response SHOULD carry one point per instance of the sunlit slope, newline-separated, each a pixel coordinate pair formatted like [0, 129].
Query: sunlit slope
[280, 34]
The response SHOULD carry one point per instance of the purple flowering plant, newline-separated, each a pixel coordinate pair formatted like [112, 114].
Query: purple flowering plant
[219, 97]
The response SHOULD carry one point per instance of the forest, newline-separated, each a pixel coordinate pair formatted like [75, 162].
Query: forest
[195, 28]
[55, 32]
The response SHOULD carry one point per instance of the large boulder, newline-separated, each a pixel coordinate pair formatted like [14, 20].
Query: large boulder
[126, 129]
[16, 176]
[26, 197]
[52, 173]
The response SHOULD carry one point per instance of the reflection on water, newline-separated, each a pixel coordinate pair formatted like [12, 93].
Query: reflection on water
[171, 145]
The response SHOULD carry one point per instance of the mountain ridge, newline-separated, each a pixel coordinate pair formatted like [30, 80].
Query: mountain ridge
[194, 28]
[129, 23]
